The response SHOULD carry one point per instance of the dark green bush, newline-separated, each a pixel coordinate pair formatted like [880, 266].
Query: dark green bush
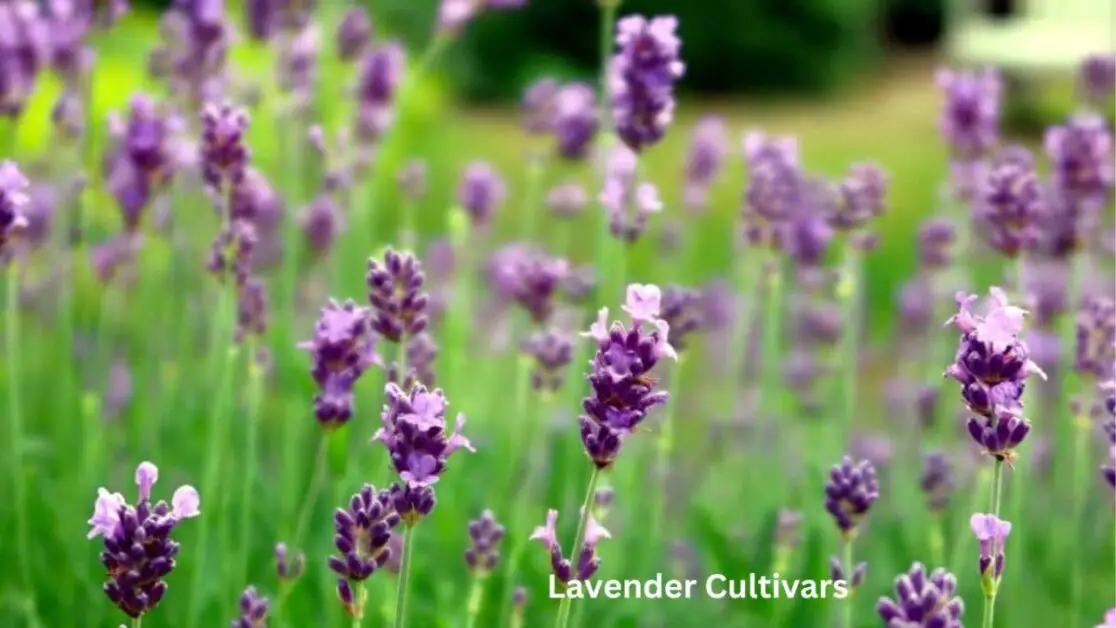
[915, 22]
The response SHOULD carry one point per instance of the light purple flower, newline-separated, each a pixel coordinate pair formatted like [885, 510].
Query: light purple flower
[643, 302]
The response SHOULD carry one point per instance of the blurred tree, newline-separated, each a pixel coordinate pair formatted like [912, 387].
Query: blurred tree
[915, 22]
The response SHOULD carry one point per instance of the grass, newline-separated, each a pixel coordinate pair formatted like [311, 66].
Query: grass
[196, 411]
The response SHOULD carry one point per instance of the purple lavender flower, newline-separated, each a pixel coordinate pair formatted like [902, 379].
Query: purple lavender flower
[415, 435]
[251, 310]
[362, 533]
[588, 562]
[683, 312]
[705, 160]
[991, 366]
[138, 551]
[224, 155]
[1009, 204]
[850, 493]
[297, 63]
[319, 225]
[854, 580]
[567, 199]
[480, 193]
[288, 568]
[970, 119]
[1095, 347]
[380, 75]
[552, 351]
[412, 179]
[343, 347]
[935, 237]
[575, 120]
[231, 251]
[774, 187]
[24, 49]
[642, 76]
[628, 202]
[253, 610]
[937, 481]
[992, 532]
[453, 15]
[1108, 471]
[1080, 153]
[353, 33]
[922, 600]
[1096, 79]
[13, 198]
[533, 281]
[396, 295]
[485, 534]
[261, 18]
[623, 391]
[538, 106]
[861, 195]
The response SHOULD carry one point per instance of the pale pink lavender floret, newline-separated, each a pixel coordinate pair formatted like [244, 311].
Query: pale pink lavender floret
[342, 349]
[623, 392]
[253, 610]
[587, 560]
[138, 549]
[641, 78]
[567, 200]
[850, 492]
[923, 600]
[1109, 619]
[485, 535]
[992, 533]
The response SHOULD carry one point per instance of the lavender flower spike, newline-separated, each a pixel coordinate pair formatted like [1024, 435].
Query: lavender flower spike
[253, 610]
[623, 391]
[224, 156]
[396, 295]
[923, 600]
[992, 532]
[416, 436]
[342, 348]
[1108, 471]
[362, 534]
[485, 534]
[138, 551]
[628, 202]
[642, 77]
[850, 493]
[587, 560]
[13, 198]
[970, 120]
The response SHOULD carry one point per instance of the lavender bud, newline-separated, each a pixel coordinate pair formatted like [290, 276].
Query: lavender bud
[485, 535]
[850, 493]
[922, 600]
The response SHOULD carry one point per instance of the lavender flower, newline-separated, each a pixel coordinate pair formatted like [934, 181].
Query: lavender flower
[396, 295]
[788, 528]
[937, 481]
[362, 533]
[992, 532]
[774, 187]
[297, 64]
[991, 366]
[353, 33]
[253, 610]
[23, 46]
[453, 15]
[412, 179]
[935, 237]
[480, 193]
[588, 562]
[850, 493]
[922, 600]
[861, 195]
[538, 106]
[683, 312]
[629, 203]
[567, 199]
[641, 78]
[13, 198]
[485, 534]
[1096, 79]
[224, 156]
[552, 351]
[1095, 346]
[138, 551]
[533, 282]
[415, 435]
[623, 391]
[1108, 471]
[970, 119]
[1109, 619]
[342, 348]
[704, 162]
[854, 580]
[575, 120]
[380, 75]
[1010, 202]
[1080, 153]
[319, 224]
[287, 568]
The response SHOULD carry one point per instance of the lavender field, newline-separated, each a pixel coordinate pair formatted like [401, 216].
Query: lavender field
[292, 338]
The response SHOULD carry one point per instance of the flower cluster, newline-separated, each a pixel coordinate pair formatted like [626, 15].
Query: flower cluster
[138, 549]
[1095, 346]
[415, 435]
[1080, 153]
[485, 534]
[288, 568]
[343, 347]
[552, 351]
[532, 279]
[1010, 202]
[480, 193]
[362, 534]
[991, 365]
[850, 493]
[774, 186]
[937, 481]
[396, 295]
[970, 120]
[381, 72]
[861, 196]
[1108, 471]
[683, 312]
[923, 600]
[13, 198]
[1097, 78]
[704, 161]
[588, 562]
[992, 533]
[143, 160]
[253, 610]
[629, 202]
[641, 78]
[623, 391]
[224, 155]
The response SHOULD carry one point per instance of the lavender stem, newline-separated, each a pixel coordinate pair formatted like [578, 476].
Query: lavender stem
[137, 622]
[476, 596]
[255, 400]
[304, 514]
[404, 576]
[566, 605]
[15, 420]
[850, 292]
[360, 594]
[990, 596]
[1069, 384]
[847, 559]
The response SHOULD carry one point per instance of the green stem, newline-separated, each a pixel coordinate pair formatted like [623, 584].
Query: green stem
[665, 445]
[303, 518]
[990, 596]
[404, 576]
[476, 596]
[255, 399]
[359, 598]
[847, 559]
[15, 423]
[1080, 467]
[937, 542]
[772, 337]
[137, 622]
[850, 293]
[566, 605]
[536, 167]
